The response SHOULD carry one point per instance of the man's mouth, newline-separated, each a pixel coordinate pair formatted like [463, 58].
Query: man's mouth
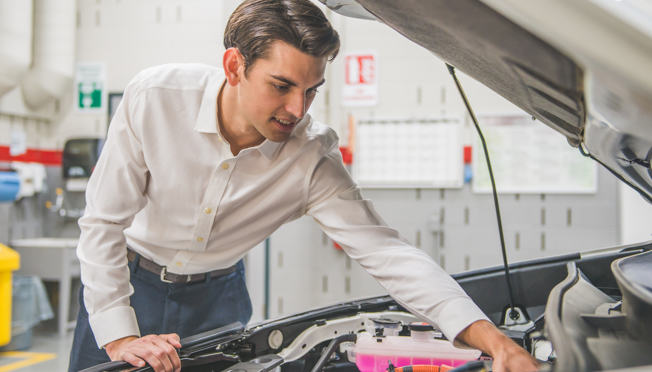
[283, 125]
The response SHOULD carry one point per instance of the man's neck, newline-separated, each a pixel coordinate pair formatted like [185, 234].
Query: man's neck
[235, 130]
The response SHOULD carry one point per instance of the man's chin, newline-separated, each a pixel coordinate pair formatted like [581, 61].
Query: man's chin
[282, 138]
[277, 137]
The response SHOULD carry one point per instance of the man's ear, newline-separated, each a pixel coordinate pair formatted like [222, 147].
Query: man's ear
[233, 64]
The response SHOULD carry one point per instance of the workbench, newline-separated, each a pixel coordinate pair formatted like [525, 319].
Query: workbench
[52, 259]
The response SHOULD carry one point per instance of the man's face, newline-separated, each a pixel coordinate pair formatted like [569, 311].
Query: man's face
[278, 90]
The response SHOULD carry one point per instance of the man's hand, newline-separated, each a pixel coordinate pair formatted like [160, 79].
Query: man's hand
[158, 351]
[508, 356]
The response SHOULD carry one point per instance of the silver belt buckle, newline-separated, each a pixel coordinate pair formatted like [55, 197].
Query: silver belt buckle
[164, 270]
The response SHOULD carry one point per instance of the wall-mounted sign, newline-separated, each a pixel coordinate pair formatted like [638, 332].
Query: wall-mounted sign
[90, 83]
[18, 144]
[360, 86]
[409, 153]
[528, 157]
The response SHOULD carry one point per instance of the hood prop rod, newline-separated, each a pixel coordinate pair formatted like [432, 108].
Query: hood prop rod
[513, 314]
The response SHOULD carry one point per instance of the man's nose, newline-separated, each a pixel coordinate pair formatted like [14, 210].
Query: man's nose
[297, 105]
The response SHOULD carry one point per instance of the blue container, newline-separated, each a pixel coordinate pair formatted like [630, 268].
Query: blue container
[9, 185]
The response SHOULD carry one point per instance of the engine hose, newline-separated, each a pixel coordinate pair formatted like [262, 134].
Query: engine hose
[326, 355]
[417, 368]
[475, 366]
[427, 368]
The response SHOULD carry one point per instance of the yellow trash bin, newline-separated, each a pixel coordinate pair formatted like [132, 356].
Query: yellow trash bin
[9, 261]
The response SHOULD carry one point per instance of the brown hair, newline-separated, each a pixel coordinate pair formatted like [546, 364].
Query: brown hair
[256, 24]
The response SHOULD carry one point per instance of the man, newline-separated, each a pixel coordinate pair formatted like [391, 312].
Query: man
[201, 165]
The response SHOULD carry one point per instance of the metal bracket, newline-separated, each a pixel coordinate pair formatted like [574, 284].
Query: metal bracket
[263, 363]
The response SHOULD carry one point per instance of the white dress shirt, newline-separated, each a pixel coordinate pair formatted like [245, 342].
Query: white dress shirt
[167, 185]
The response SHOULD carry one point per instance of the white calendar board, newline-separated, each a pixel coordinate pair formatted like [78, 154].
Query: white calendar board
[409, 153]
[529, 157]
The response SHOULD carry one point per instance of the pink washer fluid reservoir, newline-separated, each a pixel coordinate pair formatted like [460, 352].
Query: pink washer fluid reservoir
[371, 353]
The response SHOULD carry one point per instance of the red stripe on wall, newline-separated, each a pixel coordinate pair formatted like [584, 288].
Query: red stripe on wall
[45, 157]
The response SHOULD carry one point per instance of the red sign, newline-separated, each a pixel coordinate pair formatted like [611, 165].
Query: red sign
[360, 69]
[360, 86]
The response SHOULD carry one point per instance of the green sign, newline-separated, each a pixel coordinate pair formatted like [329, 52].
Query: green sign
[90, 95]
[89, 87]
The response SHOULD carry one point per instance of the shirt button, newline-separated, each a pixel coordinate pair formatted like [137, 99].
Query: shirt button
[225, 166]
[179, 264]
[200, 239]
[208, 210]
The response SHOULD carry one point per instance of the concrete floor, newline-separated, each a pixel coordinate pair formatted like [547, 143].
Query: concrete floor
[48, 352]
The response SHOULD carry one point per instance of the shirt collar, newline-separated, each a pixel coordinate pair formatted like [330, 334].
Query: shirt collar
[207, 118]
[268, 148]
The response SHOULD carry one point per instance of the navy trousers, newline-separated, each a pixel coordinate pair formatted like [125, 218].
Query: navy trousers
[184, 309]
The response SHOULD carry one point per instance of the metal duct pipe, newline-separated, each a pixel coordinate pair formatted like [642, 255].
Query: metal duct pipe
[52, 72]
[16, 23]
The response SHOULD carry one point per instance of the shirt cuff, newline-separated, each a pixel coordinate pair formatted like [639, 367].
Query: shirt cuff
[457, 316]
[114, 324]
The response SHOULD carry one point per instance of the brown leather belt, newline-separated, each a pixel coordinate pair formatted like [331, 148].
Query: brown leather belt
[167, 277]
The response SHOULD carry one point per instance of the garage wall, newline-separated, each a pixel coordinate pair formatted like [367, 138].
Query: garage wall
[635, 216]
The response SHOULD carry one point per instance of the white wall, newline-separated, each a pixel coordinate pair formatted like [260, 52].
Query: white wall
[635, 216]
[37, 124]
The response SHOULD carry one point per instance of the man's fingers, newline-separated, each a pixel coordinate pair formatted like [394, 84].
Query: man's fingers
[166, 353]
[132, 359]
[157, 351]
[173, 339]
[147, 355]
[515, 360]
[152, 355]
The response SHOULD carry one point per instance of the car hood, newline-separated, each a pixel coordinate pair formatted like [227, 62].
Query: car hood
[582, 67]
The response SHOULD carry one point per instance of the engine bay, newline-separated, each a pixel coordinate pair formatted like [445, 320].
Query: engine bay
[584, 312]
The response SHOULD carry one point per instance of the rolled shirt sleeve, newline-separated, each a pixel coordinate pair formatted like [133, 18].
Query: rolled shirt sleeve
[408, 274]
[115, 193]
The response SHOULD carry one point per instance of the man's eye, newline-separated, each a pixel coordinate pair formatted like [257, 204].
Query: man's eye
[281, 87]
[313, 91]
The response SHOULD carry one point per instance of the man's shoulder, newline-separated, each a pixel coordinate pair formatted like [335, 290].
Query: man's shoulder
[178, 76]
[321, 133]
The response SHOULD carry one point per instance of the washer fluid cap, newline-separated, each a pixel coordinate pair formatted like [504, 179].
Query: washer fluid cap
[420, 327]
[385, 322]
[390, 327]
